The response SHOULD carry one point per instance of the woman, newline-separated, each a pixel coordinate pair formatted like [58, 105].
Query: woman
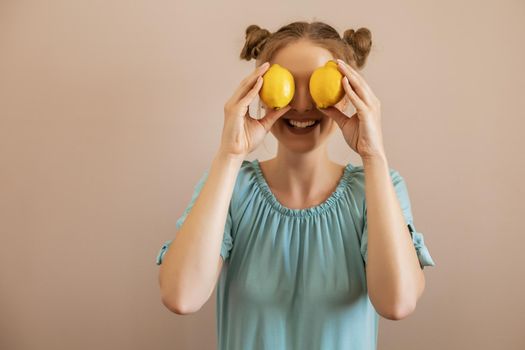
[307, 265]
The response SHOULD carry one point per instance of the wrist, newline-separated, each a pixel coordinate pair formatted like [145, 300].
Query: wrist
[375, 160]
[233, 159]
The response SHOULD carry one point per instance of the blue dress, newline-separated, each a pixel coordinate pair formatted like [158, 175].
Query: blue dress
[295, 278]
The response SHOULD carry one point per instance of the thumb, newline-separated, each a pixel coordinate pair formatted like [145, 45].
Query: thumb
[339, 117]
[271, 117]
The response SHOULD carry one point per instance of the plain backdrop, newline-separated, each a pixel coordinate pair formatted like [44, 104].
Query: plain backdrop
[110, 111]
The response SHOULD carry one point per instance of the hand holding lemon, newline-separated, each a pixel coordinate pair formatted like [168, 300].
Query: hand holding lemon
[276, 88]
[361, 131]
[241, 133]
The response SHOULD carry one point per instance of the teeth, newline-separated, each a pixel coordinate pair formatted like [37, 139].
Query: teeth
[301, 124]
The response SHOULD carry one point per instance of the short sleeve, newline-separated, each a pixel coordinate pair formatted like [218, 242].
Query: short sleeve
[417, 237]
[227, 242]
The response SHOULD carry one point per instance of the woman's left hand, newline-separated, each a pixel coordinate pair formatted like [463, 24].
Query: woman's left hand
[362, 131]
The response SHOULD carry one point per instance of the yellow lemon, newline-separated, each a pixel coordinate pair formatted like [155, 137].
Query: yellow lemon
[326, 87]
[278, 87]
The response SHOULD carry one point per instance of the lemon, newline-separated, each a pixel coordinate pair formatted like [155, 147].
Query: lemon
[326, 87]
[278, 87]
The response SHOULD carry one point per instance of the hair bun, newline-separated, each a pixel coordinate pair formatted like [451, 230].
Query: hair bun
[360, 41]
[256, 37]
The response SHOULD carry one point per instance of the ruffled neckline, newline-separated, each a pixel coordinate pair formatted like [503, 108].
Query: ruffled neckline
[315, 210]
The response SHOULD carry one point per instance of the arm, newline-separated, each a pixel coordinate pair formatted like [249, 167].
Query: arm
[188, 273]
[395, 279]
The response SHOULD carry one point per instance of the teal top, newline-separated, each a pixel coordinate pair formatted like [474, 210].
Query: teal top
[295, 278]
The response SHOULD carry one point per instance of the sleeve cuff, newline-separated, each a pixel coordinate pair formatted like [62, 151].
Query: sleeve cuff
[422, 251]
[162, 251]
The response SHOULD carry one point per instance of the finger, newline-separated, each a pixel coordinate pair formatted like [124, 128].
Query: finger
[246, 100]
[247, 83]
[272, 116]
[357, 82]
[356, 101]
[355, 73]
[356, 85]
[333, 112]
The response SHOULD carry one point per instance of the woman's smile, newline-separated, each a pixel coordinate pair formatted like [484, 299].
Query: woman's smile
[301, 128]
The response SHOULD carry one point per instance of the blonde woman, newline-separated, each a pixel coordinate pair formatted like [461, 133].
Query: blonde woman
[306, 256]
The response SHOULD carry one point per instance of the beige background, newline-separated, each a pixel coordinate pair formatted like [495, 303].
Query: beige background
[111, 110]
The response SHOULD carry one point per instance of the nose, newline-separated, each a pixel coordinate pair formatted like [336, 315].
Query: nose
[302, 100]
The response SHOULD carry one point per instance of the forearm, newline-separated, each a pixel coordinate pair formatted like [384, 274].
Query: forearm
[394, 277]
[189, 266]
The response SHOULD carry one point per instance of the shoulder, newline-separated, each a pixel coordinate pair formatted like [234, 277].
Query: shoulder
[247, 172]
[245, 182]
[247, 165]
[356, 176]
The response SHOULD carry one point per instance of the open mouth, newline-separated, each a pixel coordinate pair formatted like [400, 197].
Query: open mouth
[303, 125]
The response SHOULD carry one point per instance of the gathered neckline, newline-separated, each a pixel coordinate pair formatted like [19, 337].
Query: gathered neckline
[315, 210]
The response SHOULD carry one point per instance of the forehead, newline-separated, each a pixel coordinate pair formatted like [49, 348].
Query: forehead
[302, 57]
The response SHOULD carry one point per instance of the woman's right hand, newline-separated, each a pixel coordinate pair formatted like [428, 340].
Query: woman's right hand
[241, 133]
